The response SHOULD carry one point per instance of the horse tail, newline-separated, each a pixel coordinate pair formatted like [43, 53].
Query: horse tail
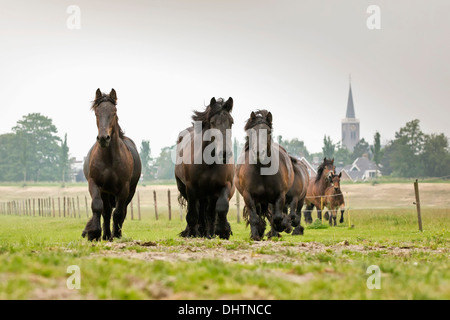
[182, 200]
[246, 215]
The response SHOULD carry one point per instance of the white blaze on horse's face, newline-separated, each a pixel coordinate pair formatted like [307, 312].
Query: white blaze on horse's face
[106, 114]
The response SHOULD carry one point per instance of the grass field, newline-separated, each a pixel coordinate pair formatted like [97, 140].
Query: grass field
[152, 262]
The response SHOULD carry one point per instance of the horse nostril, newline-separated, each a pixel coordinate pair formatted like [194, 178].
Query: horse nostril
[108, 137]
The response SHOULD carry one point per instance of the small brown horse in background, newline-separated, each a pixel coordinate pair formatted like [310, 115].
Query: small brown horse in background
[112, 169]
[205, 180]
[295, 197]
[264, 175]
[316, 189]
[334, 199]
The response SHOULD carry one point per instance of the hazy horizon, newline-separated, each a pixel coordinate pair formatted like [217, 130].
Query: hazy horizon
[168, 58]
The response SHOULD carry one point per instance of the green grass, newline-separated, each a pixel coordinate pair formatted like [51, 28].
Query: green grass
[325, 263]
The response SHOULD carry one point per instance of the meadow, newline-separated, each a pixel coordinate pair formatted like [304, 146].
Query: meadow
[152, 262]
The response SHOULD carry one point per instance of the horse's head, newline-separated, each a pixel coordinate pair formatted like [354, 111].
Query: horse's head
[105, 110]
[217, 122]
[336, 181]
[259, 135]
[326, 169]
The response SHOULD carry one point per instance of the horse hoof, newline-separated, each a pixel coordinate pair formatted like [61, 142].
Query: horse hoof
[255, 237]
[278, 224]
[93, 235]
[298, 231]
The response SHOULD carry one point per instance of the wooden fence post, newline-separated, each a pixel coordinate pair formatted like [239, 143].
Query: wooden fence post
[156, 206]
[139, 206]
[170, 208]
[419, 214]
[238, 207]
[85, 204]
[78, 207]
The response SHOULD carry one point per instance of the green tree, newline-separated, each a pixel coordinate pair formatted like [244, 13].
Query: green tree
[64, 164]
[361, 148]
[402, 155]
[436, 155]
[328, 148]
[412, 135]
[10, 158]
[38, 148]
[377, 153]
[164, 165]
[146, 159]
[296, 147]
[342, 156]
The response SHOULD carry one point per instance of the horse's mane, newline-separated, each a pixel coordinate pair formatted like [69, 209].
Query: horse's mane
[322, 166]
[261, 118]
[106, 98]
[208, 113]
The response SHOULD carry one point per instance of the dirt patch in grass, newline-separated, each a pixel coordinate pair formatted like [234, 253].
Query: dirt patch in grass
[229, 252]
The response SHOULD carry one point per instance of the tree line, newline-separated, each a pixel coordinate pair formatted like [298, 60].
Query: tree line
[34, 152]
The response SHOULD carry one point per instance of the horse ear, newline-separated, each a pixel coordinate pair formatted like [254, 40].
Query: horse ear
[113, 95]
[98, 94]
[269, 117]
[252, 115]
[332, 160]
[340, 174]
[213, 101]
[229, 105]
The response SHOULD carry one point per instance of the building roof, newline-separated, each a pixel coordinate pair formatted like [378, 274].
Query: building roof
[358, 169]
[350, 114]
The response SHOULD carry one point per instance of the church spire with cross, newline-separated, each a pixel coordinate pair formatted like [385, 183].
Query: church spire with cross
[350, 125]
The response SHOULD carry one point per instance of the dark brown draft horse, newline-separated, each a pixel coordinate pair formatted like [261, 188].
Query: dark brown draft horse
[295, 197]
[316, 189]
[264, 175]
[112, 169]
[204, 170]
[334, 199]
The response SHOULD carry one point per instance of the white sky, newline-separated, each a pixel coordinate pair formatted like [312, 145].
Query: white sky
[167, 58]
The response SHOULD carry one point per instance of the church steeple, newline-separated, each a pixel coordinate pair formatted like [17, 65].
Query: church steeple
[350, 108]
[350, 125]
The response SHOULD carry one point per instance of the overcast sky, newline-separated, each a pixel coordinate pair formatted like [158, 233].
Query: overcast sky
[167, 58]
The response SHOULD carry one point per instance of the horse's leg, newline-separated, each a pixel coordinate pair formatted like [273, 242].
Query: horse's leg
[293, 214]
[280, 221]
[93, 229]
[342, 213]
[120, 212]
[308, 213]
[192, 215]
[335, 216]
[204, 223]
[107, 209]
[326, 215]
[299, 229]
[330, 216]
[267, 211]
[254, 219]
[222, 226]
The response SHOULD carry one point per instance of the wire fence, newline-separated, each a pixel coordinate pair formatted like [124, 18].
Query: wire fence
[161, 202]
